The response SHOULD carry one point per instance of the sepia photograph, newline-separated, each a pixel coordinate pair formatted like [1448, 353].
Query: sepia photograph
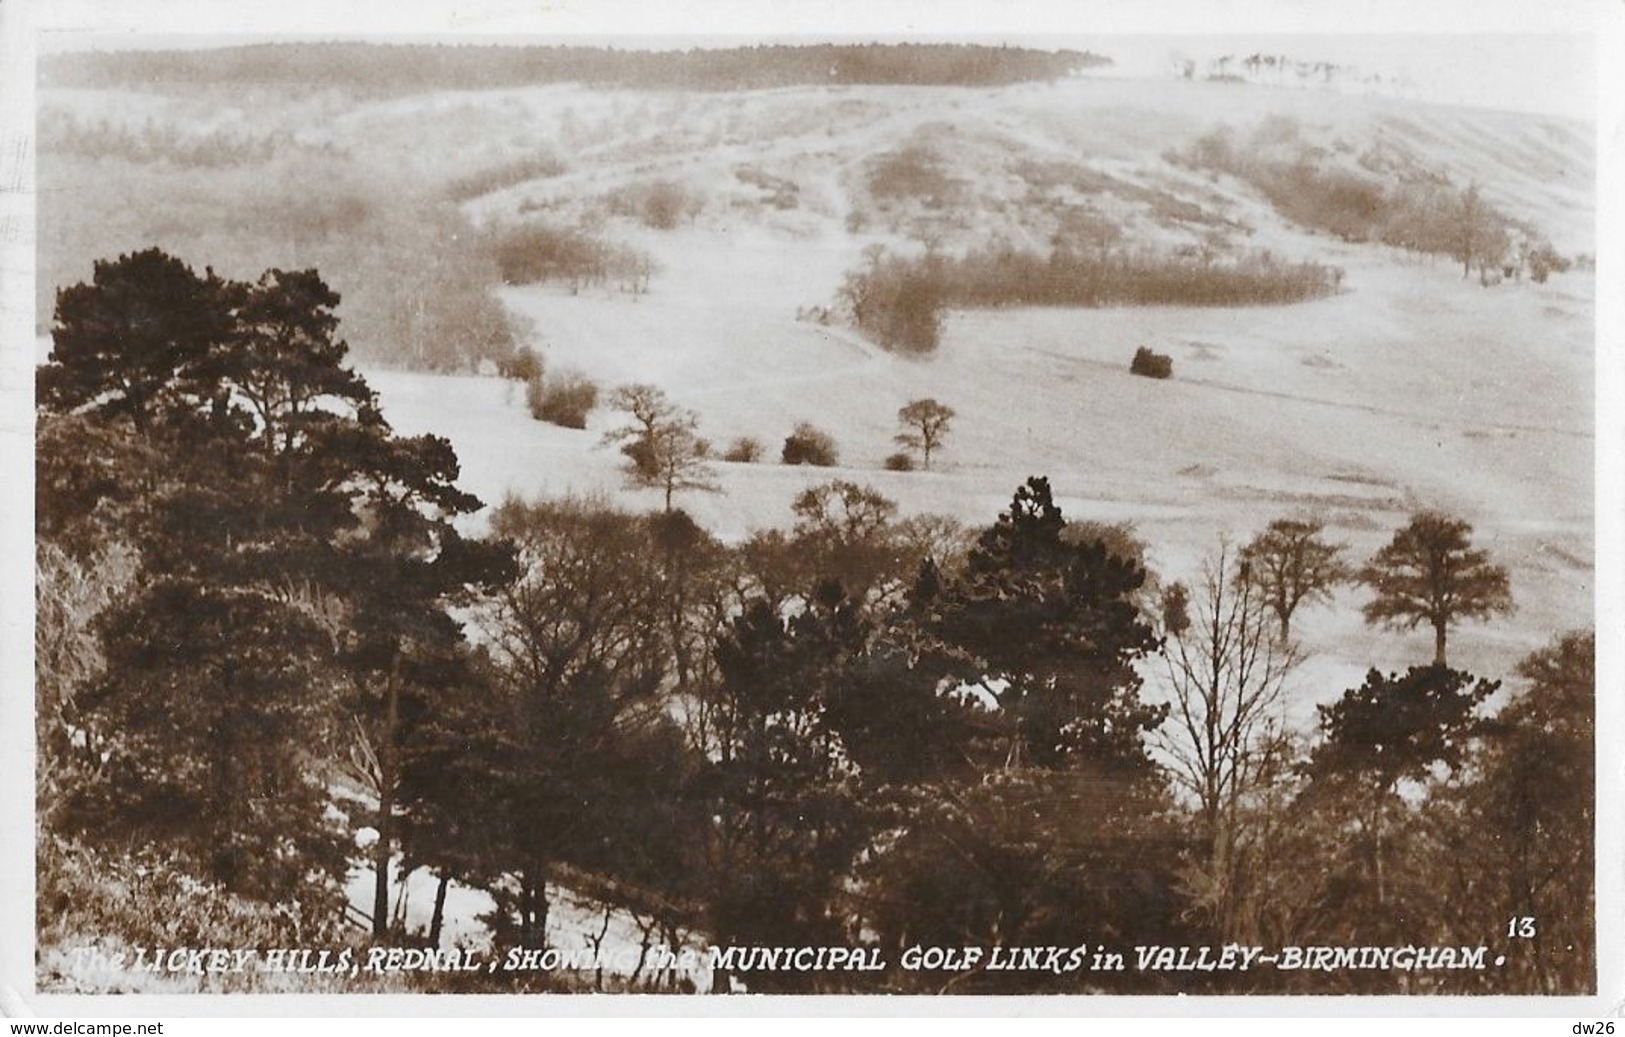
[750, 512]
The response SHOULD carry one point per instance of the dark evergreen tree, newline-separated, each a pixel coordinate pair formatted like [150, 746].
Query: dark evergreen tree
[1051, 628]
[1388, 730]
[130, 343]
[1031, 812]
[1430, 573]
[290, 543]
[787, 808]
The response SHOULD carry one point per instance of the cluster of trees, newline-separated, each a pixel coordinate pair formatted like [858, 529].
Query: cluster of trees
[256, 606]
[899, 300]
[663, 447]
[63, 132]
[287, 567]
[657, 204]
[1420, 212]
[534, 252]
[389, 70]
[914, 173]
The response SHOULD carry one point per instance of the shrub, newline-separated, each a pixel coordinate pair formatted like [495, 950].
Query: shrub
[1151, 365]
[744, 450]
[781, 193]
[659, 205]
[565, 400]
[641, 454]
[809, 445]
[524, 365]
[900, 462]
[543, 252]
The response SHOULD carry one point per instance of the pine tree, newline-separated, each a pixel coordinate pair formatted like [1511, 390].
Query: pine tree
[1430, 573]
[1055, 622]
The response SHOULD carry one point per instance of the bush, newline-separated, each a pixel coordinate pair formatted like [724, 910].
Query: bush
[1543, 261]
[641, 454]
[525, 365]
[900, 462]
[565, 400]
[660, 205]
[744, 450]
[809, 445]
[1151, 365]
[539, 252]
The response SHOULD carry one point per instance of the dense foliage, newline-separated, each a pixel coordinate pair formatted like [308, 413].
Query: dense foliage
[899, 300]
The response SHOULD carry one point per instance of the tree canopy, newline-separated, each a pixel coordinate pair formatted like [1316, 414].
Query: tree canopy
[1430, 573]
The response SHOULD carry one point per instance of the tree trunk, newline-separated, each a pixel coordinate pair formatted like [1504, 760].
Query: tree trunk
[1438, 644]
[386, 805]
[438, 918]
[533, 907]
[1382, 887]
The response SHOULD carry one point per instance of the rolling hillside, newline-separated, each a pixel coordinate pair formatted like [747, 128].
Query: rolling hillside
[1410, 388]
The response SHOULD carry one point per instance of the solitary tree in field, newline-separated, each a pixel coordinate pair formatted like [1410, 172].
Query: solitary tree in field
[1292, 565]
[925, 423]
[663, 447]
[1430, 573]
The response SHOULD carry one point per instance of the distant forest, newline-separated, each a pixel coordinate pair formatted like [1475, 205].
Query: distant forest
[385, 69]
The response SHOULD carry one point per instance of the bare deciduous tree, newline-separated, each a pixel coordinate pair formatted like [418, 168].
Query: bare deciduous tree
[925, 423]
[1293, 566]
[1224, 737]
[663, 446]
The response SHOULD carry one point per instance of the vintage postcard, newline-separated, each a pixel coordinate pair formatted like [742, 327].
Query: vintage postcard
[905, 503]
